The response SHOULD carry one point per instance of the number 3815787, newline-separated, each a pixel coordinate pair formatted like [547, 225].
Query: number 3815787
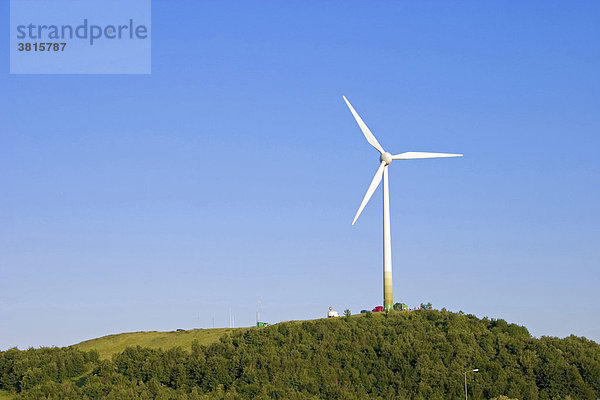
[41, 46]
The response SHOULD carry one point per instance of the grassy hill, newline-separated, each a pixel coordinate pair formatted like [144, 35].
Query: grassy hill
[401, 355]
[5, 395]
[112, 344]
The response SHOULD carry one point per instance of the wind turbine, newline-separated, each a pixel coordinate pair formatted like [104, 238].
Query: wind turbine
[385, 160]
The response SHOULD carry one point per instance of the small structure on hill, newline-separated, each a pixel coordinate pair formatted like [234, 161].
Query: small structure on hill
[259, 323]
[332, 314]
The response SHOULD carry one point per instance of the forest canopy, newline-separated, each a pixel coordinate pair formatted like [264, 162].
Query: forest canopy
[408, 355]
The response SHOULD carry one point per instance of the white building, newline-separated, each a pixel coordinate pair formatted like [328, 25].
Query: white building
[332, 314]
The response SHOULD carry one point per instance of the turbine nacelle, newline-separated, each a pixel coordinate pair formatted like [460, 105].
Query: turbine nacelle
[386, 158]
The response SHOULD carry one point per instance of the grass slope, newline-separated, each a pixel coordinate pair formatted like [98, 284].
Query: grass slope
[112, 344]
[6, 396]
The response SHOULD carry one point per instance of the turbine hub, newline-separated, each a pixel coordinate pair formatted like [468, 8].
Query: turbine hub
[386, 158]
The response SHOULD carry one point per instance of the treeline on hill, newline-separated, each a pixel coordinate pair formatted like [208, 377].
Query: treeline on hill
[406, 355]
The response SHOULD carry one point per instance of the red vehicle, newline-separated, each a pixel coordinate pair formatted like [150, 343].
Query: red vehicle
[378, 309]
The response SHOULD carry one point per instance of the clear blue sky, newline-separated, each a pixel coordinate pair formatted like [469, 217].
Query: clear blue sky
[234, 170]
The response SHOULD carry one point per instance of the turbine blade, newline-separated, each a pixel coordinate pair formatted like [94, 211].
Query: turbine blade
[374, 183]
[364, 128]
[413, 155]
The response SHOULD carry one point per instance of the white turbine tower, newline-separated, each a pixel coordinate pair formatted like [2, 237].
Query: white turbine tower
[385, 160]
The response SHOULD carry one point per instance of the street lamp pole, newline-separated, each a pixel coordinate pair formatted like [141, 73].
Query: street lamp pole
[473, 370]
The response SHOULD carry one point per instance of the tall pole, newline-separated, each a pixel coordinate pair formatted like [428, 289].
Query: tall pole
[473, 370]
[257, 312]
[388, 301]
